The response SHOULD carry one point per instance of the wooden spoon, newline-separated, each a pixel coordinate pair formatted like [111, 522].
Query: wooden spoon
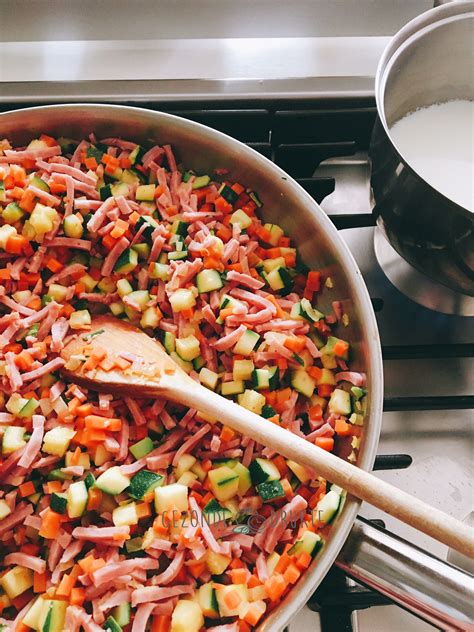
[160, 376]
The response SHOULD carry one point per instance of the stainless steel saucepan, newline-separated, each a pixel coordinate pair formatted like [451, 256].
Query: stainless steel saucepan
[369, 554]
[430, 60]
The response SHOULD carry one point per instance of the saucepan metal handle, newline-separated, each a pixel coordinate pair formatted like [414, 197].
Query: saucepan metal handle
[435, 591]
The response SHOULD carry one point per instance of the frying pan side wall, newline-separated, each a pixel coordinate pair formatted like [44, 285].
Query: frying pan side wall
[286, 204]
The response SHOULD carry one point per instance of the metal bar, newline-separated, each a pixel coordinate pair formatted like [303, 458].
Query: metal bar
[432, 352]
[392, 461]
[431, 589]
[358, 220]
[461, 402]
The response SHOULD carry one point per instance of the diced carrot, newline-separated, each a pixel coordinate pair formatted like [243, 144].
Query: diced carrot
[80, 287]
[90, 564]
[227, 433]
[273, 253]
[26, 489]
[326, 443]
[48, 140]
[50, 525]
[275, 586]
[35, 303]
[95, 499]
[341, 348]
[39, 582]
[125, 162]
[253, 614]
[24, 361]
[222, 206]
[91, 163]
[77, 597]
[315, 412]
[280, 463]
[253, 581]
[325, 390]
[5, 274]
[342, 428]
[292, 574]
[295, 343]
[27, 201]
[21, 627]
[161, 623]
[119, 229]
[197, 570]
[133, 218]
[282, 563]
[313, 281]
[57, 187]
[14, 347]
[84, 409]
[65, 585]
[303, 560]
[285, 483]
[239, 575]
[108, 242]
[232, 599]
[143, 510]
[54, 265]
[54, 486]
[19, 174]
[263, 234]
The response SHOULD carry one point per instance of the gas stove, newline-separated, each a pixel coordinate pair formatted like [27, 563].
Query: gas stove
[307, 103]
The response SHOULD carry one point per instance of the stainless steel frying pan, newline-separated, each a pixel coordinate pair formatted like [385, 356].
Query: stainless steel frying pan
[287, 204]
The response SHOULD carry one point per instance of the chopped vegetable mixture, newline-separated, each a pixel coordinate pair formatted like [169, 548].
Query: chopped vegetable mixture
[125, 514]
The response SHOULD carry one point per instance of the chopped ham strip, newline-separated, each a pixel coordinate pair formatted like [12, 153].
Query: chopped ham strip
[113, 255]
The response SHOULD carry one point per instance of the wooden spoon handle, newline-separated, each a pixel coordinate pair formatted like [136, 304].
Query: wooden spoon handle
[354, 480]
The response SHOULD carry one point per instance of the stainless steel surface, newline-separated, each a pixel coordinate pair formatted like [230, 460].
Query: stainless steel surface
[416, 285]
[440, 593]
[202, 149]
[430, 231]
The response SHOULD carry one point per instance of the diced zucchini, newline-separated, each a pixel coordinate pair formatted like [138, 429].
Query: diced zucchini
[275, 233]
[4, 509]
[246, 343]
[271, 264]
[29, 408]
[188, 348]
[121, 614]
[182, 299]
[124, 288]
[208, 281]
[177, 255]
[73, 227]
[16, 581]
[112, 481]
[358, 393]
[299, 471]
[142, 448]
[241, 218]
[217, 562]
[340, 402]
[215, 512]
[261, 379]
[245, 480]
[57, 292]
[201, 182]
[12, 213]
[221, 593]
[150, 225]
[228, 194]
[207, 601]
[208, 378]
[186, 366]
[243, 369]
[111, 625]
[150, 318]
[131, 177]
[262, 470]
[32, 617]
[143, 250]
[125, 515]
[328, 506]
[120, 188]
[39, 183]
[252, 400]
[169, 497]
[330, 347]
[224, 482]
[127, 262]
[80, 319]
[326, 377]
[169, 341]
[179, 227]
[105, 192]
[160, 271]
[135, 156]
[77, 497]
[184, 464]
[305, 311]
[13, 439]
[303, 382]
[279, 279]
[233, 387]
[53, 615]
[58, 503]
[270, 490]
[143, 483]
[56, 441]
[187, 617]
[309, 542]
[145, 192]
[140, 298]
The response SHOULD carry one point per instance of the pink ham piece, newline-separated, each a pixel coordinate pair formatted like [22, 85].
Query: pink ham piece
[273, 527]
[138, 417]
[73, 269]
[59, 330]
[75, 173]
[99, 534]
[99, 216]
[21, 512]
[190, 443]
[171, 572]
[73, 620]
[34, 444]
[245, 279]
[228, 341]
[212, 543]
[157, 593]
[142, 615]
[16, 380]
[48, 322]
[28, 561]
[111, 259]
[44, 196]
[70, 242]
[357, 379]
[112, 571]
[47, 368]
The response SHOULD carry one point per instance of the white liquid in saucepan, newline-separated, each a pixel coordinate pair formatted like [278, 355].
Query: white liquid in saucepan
[438, 143]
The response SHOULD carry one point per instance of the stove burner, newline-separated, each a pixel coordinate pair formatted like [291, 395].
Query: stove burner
[417, 286]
